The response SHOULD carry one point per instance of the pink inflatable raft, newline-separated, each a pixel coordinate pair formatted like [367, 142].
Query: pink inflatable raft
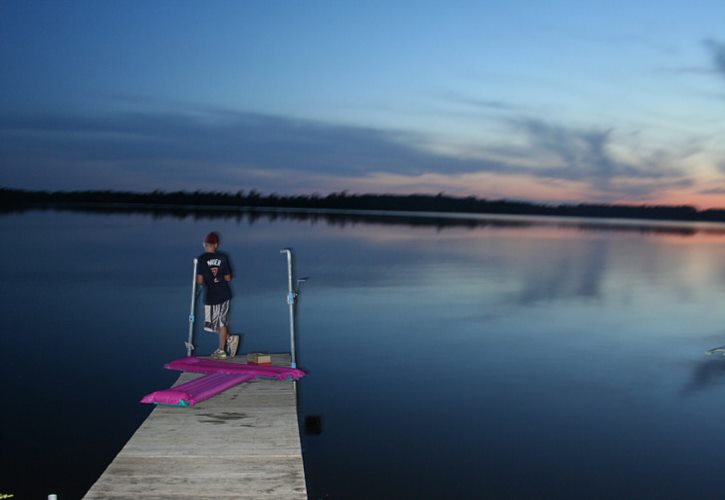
[220, 376]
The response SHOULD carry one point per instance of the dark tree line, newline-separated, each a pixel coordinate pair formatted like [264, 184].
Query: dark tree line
[18, 200]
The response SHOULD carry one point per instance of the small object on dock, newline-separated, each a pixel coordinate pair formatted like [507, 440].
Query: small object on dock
[259, 358]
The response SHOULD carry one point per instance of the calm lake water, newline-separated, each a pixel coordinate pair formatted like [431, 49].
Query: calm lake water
[499, 358]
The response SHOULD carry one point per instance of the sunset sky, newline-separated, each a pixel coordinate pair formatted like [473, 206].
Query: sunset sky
[557, 101]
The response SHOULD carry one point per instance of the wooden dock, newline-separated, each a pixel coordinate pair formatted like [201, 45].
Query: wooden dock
[242, 443]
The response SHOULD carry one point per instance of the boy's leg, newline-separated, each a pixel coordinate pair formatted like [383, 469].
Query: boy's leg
[223, 328]
[223, 336]
[217, 320]
[208, 318]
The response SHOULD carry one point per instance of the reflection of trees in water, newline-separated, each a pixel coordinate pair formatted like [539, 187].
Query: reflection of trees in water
[344, 218]
[707, 374]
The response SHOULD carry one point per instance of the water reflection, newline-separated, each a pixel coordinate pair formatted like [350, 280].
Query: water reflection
[563, 343]
[707, 374]
[441, 221]
[566, 275]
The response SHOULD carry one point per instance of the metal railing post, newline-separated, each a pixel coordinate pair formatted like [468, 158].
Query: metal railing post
[291, 295]
[189, 343]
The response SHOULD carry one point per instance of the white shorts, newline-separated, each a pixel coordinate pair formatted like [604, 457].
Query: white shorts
[216, 316]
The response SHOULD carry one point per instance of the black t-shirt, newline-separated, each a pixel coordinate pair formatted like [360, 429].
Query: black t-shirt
[213, 267]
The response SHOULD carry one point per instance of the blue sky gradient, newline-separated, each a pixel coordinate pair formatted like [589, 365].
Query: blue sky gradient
[558, 101]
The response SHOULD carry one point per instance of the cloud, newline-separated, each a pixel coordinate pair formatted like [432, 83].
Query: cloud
[584, 155]
[213, 149]
[480, 104]
[175, 144]
[581, 153]
[222, 138]
[717, 50]
[716, 188]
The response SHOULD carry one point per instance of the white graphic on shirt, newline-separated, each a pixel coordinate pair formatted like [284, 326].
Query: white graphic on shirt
[214, 268]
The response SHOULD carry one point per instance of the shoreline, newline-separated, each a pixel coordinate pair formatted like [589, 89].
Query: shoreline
[418, 218]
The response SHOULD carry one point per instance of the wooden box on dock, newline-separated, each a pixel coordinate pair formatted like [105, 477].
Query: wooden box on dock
[259, 358]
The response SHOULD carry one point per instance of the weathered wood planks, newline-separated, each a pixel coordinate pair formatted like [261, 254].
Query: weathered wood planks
[243, 443]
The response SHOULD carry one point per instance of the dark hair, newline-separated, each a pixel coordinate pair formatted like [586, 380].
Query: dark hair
[212, 239]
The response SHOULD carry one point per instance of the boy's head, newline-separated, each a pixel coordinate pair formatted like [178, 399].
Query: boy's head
[211, 242]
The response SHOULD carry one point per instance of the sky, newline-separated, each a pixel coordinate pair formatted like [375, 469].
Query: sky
[558, 102]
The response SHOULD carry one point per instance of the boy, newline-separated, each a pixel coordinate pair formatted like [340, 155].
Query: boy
[215, 272]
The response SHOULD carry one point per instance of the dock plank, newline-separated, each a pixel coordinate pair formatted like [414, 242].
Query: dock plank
[242, 443]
